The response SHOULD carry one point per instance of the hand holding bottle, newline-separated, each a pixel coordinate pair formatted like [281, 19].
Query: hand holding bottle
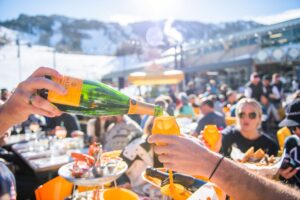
[24, 100]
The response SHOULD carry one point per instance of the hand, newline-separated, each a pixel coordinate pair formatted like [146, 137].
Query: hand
[288, 172]
[125, 185]
[184, 154]
[216, 147]
[19, 106]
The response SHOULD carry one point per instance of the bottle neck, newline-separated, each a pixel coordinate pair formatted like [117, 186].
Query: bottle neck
[141, 108]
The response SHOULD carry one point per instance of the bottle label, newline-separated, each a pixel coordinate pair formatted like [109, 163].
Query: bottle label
[73, 86]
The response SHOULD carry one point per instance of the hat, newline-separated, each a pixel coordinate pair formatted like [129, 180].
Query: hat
[267, 77]
[207, 101]
[292, 114]
[183, 97]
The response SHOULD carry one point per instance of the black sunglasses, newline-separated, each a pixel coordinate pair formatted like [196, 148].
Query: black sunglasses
[251, 115]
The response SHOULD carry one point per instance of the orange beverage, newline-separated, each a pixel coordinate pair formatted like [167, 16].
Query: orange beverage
[166, 125]
[283, 133]
[211, 135]
[226, 110]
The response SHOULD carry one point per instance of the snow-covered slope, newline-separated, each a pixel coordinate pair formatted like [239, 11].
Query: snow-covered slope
[96, 37]
[82, 66]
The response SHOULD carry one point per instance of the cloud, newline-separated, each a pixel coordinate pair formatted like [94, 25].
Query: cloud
[280, 17]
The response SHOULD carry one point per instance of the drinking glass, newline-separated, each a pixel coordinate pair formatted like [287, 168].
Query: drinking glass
[60, 132]
[34, 128]
[166, 125]
[18, 129]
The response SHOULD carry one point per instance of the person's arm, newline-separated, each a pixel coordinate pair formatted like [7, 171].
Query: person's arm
[230, 176]
[197, 131]
[24, 100]
[275, 113]
[90, 127]
[275, 93]
[242, 184]
[289, 172]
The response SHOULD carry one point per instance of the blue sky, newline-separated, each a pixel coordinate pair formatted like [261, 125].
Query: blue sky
[124, 11]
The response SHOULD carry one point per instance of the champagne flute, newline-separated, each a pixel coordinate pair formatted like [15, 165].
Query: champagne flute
[18, 129]
[34, 128]
[166, 125]
[60, 132]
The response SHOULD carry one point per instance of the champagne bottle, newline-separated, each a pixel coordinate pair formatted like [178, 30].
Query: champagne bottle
[93, 98]
[188, 182]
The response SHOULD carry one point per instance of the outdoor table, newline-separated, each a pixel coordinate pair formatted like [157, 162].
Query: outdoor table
[41, 160]
[13, 139]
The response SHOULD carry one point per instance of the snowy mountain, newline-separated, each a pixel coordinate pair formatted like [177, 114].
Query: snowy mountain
[31, 57]
[95, 37]
[84, 48]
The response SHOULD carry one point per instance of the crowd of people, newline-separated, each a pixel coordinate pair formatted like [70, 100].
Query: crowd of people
[257, 113]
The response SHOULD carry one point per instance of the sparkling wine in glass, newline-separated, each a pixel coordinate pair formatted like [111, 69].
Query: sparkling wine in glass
[61, 131]
[34, 127]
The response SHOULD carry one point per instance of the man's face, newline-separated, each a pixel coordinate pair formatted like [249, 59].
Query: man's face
[204, 108]
[266, 82]
[296, 130]
[277, 78]
[256, 79]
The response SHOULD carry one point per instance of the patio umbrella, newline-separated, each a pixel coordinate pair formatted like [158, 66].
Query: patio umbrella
[156, 78]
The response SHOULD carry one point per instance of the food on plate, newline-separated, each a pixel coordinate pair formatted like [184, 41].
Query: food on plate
[259, 158]
[83, 158]
[80, 169]
[85, 165]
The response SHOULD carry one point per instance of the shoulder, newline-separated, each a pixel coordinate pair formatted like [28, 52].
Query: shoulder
[209, 115]
[217, 114]
[266, 136]
[268, 140]
[230, 131]
[248, 84]
[291, 142]
[91, 121]
[132, 149]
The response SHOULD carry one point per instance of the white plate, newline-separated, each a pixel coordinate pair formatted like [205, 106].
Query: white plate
[65, 172]
[267, 171]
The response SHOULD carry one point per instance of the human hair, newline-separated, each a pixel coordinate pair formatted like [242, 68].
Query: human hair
[252, 102]
[207, 101]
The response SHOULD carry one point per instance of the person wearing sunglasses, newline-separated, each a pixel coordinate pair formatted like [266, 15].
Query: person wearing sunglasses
[290, 169]
[246, 133]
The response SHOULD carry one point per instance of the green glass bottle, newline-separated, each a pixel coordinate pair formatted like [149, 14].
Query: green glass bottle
[92, 98]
